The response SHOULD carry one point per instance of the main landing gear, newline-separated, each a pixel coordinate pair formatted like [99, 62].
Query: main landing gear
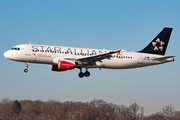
[26, 70]
[86, 74]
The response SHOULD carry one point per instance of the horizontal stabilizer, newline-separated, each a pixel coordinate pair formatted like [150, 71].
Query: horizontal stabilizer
[163, 58]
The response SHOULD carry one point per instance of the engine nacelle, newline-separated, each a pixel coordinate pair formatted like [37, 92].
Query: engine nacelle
[63, 65]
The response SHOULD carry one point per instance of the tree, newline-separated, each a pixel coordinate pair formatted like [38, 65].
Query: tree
[142, 111]
[97, 103]
[134, 109]
[6, 106]
[177, 115]
[16, 107]
[168, 111]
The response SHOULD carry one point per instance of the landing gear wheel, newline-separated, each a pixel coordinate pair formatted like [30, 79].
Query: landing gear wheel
[87, 74]
[25, 70]
[81, 74]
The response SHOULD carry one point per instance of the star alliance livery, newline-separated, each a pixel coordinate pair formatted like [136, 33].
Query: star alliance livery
[67, 58]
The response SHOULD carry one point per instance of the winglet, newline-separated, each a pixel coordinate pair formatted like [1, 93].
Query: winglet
[118, 51]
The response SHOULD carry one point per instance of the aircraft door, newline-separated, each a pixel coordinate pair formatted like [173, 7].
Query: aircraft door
[28, 50]
[140, 59]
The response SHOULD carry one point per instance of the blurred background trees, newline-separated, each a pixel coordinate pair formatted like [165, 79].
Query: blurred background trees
[97, 109]
[16, 107]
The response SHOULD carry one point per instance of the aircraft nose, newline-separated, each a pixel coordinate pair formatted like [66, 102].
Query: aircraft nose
[6, 54]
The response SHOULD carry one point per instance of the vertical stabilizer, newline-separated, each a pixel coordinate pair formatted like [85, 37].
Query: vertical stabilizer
[159, 44]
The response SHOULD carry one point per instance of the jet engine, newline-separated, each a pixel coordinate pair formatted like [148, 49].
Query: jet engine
[63, 65]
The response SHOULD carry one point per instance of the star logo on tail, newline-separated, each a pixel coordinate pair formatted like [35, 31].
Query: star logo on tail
[158, 44]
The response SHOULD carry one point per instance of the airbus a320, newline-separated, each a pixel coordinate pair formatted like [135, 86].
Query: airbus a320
[67, 58]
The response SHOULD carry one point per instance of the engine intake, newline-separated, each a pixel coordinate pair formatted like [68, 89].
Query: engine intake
[63, 65]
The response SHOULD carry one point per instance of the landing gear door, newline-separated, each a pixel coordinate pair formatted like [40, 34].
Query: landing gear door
[28, 50]
[140, 59]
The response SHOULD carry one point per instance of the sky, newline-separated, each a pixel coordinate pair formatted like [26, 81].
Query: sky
[113, 25]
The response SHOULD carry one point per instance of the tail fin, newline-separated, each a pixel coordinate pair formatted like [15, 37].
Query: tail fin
[159, 44]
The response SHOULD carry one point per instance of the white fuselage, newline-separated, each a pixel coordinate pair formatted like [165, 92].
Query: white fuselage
[46, 54]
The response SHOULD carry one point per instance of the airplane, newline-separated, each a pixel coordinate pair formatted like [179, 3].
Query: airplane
[67, 58]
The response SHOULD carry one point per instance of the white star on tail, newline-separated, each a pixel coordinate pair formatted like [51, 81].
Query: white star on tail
[156, 47]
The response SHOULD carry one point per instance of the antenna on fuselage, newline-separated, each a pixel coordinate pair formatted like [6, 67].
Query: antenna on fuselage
[30, 43]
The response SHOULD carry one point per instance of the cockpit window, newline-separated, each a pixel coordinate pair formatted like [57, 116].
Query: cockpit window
[15, 48]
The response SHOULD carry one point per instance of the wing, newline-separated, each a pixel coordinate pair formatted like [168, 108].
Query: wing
[92, 59]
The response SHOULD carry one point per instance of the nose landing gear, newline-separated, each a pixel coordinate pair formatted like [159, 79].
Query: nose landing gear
[26, 70]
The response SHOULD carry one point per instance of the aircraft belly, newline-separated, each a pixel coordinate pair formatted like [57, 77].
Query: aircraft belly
[119, 63]
[45, 60]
